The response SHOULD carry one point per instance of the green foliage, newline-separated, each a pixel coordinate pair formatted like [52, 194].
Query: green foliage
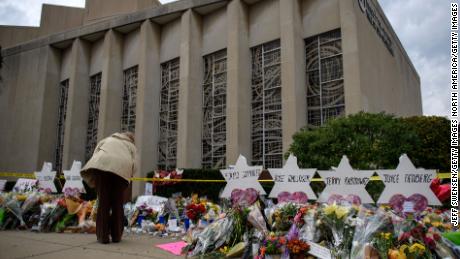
[433, 151]
[374, 141]
[370, 141]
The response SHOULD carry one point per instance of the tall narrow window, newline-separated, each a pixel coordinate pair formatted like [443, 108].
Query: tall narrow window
[128, 117]
[325, 90]
[93, 114]
[267, 141]
[169, 97]
[214, 104]
[62, 110]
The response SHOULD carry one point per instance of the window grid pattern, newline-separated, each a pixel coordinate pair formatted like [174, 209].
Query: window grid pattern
[266, 131]
[93, 114]
[169, 100]
[214, 110]
[324, 84]
[62, 111]
[128, 117]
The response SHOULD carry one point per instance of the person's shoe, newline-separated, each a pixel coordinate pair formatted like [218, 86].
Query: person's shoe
[103, 241]
[116, 240]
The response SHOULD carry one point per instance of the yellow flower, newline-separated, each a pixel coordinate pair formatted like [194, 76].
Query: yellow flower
[385, 235]
[224, 250]
[419, 248]
[330, 209]
[436, 224]
[426, 220]
[341, 212]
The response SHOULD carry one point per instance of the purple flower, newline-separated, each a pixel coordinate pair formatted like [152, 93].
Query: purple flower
[293, 232]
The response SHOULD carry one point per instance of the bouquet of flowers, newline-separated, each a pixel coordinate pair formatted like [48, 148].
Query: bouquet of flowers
[272, 245]
[338, 219]
[383, 242]
[212, 237]
[283, 216]
[195, 211]
[45, 210]
[308, 218]
[297, 248]
[13, 213]
[367, 224]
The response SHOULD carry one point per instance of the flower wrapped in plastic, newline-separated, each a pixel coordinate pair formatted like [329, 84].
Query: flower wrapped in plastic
[338, 219]
[256, 219]
[85, 223]
[13, 215]
[367, 225]
[31, 208]
[45, 213]
[56, 214]
[308, 229]
[213, 236]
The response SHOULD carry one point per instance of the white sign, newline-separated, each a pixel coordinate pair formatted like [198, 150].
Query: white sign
[148, 189]
[407, 180]
[408, 207]
[73, 178]
[2, 185]
[46, 177]
[156, 203]
[319, 251]
[242, 177]
[24, 185]
[292, 179]
[345, 182]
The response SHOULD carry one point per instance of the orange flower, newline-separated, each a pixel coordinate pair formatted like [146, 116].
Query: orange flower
[282, 240]
[262, 250]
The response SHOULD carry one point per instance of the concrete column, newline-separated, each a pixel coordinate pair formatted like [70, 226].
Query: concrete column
[190, 92]
[351, 68]
[111, 85]
[147, 105]
[48, 80]
[76, 121]
[238, 82]
[294, 108]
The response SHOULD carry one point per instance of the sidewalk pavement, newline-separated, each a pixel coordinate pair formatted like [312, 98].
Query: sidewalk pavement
[26, 244]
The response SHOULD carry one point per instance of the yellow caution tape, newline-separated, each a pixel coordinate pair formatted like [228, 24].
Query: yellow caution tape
[144, 179]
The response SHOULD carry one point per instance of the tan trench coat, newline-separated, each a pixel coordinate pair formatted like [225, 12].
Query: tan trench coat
[115, 154]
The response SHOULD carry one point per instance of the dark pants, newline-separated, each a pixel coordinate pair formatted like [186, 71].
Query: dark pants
[110, 193]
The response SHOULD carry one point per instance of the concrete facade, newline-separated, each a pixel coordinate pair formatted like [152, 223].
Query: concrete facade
[377, 73]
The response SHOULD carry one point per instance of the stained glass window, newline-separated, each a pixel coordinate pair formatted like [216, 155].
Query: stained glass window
[214, 110]
[324, 84]
[128, 117]
[93, 114]
[169, 98]
[62, 111]
[266, 132]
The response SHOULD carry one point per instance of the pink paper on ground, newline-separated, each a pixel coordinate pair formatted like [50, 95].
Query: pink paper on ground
[174, 248]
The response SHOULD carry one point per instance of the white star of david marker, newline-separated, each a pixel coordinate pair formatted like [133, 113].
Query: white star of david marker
[292, 179]
[407, 180]
[46, 177]
[242, 177]
[344, 180]
[73, 177]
